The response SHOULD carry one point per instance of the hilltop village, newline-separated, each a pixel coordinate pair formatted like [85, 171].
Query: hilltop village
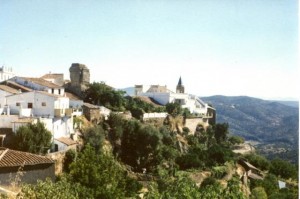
[55, 101]
[156, 133]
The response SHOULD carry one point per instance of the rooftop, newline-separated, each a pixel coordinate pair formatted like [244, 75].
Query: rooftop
[13, 158]
[17, 86]
[66, 141]
[41, 82]
[8, 89]
[71, 96]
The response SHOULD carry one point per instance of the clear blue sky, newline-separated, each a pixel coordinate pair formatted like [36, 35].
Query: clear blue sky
[228, 47]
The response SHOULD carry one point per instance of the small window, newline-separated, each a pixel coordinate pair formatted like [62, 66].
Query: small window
[18, 104]
[29, 105]
[52, 90]
[43, 103]
[59, 91]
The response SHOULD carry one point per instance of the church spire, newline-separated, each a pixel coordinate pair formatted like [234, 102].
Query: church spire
[179, 82]
[179, 87]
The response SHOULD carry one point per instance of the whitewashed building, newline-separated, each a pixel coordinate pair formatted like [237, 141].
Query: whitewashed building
[6, 73]
[162, 95]
[39, 84]
[5, 91]
[38, 104]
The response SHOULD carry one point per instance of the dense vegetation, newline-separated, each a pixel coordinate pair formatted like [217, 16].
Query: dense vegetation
[118, 154]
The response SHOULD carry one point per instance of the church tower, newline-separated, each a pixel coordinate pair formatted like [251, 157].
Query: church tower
[179, 87]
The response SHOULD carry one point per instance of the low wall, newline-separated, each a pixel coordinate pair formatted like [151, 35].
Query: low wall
[154, 115]
[6, 120]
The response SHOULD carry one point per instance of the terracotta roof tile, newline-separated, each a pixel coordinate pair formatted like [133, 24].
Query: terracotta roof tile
[71, 96]
[13, 158]
[66, 141]
[41, 82]
[18, 86]
[8, 89]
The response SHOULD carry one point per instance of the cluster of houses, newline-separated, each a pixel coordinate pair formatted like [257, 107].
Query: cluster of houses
[49, 99]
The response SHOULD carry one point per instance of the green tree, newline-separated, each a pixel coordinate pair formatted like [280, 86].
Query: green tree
[221, 132]
[70, 157]
[258, 161]
[94, 136]
[180, 187]
[101, 94]
[173, 108]
[283, 169]
[234, 139]
[62, 189]
[269, 183]
[258, 193]
[140, 144]
[33, 138]
[101, 174]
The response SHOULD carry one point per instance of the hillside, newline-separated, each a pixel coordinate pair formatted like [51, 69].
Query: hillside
[267, 122]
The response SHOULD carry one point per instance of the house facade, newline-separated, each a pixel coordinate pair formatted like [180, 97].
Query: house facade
[38, 104]
[39, 84]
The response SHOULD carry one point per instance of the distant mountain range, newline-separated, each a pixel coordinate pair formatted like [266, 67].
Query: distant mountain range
[272, 125]
[259, 120]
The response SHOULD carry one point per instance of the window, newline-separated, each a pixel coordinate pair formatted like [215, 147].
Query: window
[52, 90]
[29, 105]
[43, 103]
[18, 104]
[59, 91]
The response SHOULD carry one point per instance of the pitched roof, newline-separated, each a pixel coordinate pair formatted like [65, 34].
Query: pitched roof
[18, 86]
[8, 89]
[41, 82]
[52, 75]
[13, 158]
[66, 141]
[71, 96]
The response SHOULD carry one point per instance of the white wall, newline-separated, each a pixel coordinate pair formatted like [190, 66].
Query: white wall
[154, 115]
[6, 120]
[3, 94]
[43, 104]
[63, 127]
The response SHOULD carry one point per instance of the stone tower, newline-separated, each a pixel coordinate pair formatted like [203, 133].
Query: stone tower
[80, 78]
[179, 87]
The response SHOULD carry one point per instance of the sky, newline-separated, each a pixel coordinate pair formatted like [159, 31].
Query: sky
[218, 47]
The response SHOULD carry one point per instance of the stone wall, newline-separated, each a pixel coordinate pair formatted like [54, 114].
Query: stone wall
[58, 157]
[27, 174]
